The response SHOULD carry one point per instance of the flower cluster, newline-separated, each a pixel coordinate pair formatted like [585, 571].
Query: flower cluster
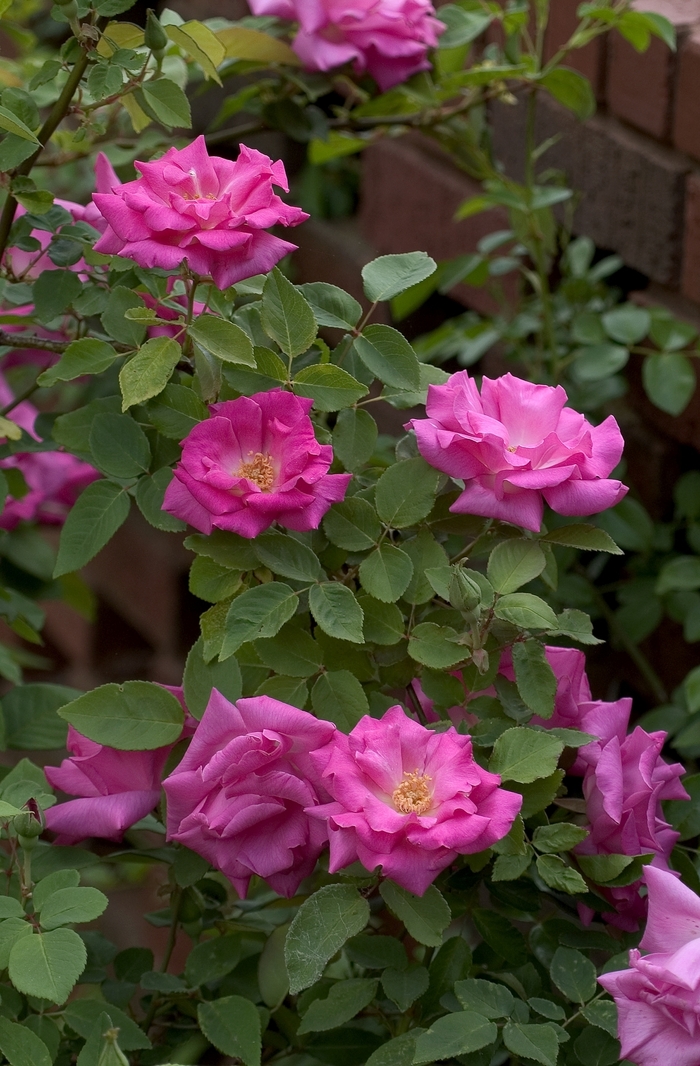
[388, 39]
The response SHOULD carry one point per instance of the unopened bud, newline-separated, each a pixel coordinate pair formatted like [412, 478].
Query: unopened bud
[480, 658]
[155, 36]
[111, 1054]
[69, 8]
[464, 593]
[28, 827]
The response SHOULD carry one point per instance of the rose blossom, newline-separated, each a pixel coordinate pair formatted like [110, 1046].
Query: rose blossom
[624, 782]
[658, 998]
[408, 799]
[210, 211]
[517, 446]
[388, 38]
[116, 788]
[254, 462]
[238, 797]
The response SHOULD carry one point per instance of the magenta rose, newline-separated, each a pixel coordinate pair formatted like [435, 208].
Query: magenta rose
[254, 462]
[238, 797]
[387, 38]
[408, 799]
[658, 998]
[516, 446]
[210, 211]
[116, 788]
[624, 783]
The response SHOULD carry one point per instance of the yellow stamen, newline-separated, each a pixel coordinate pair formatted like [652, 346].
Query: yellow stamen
[259, 470]
[413, 795]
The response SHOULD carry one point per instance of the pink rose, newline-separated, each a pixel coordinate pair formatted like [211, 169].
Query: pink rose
[210, 211]
[388, 38]
[408, 799]
[517, 446]
[254, 462]
[238, 797]
[658, 998]
[624, 783]
[117, 788]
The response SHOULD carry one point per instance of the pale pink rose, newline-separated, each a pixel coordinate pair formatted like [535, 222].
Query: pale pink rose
[624, 783]
[210, 211]
[658, 998]
[238, 797]
[116, 788]
[387, 38]
[516, 446]
[408, 799]
[254, 462]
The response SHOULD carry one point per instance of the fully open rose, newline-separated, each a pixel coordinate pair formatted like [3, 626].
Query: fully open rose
[516, 447]
[408, 800]
[254, 462]
[213, 212]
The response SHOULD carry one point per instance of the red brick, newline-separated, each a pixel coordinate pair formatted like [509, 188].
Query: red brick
[686, 119]
[690, 278]
[590, 60]
[640, 87]
[335, 251]
[410, 194]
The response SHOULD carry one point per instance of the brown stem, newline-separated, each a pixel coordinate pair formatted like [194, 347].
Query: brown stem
[11, 340]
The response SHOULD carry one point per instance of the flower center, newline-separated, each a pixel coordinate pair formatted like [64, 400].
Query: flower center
[259, 470]
[413, 795]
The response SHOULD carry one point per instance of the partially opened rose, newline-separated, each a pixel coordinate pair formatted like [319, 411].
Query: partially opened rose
[254, 462]
[238, 797]
[213, 212]
[658, 998]
[516, 446]
[408, 799]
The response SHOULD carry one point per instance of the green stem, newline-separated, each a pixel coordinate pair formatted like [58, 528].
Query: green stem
[19, 399]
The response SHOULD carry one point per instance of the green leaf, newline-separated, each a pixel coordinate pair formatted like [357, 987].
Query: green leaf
[501, 935]
[332, 307]
[93, 520]
[47, 964]
[259, 612]
[525, 610]
[328, 386]
[354, 437]
[536, 1042]
[605, 869]
[272, 972]
[176, 411]
[270, 373]
[85, 356]
[292, 690]
[232, 551]
[435, 646]
[602, 1014]
[386, 277]
[561, 836]
[426, 917]
[513, 563]
[386, 573]
[679, 575]
[222, 339]
[534, 677]
[119, 446]
[288, 557]
[31, 722]
[572, 90]
[455, 1034]
[165, 101]
[525, 755]
[286, 315]
[292, 652]
[485, 997]
[12, 124]
[573, 974]
[83, 1014]
[212, 959]
[598, 361]
[352, 524]
[389, 356]
[593, 1047]
[405, 492]
[232, 1024]
[115, 323]
[11, 930]
[584, 537]
[150, 493]
[558, 875]
[463, 27]
[344, 1000]
[339, 697]
[337, 611]
[69, 905]
[383, 623]
[320, 927]
[10, 908]
[201, 677]
[46, 887]
[22, 1047]
[133, 716]
[426, 554]
[669, 381]
[53, 292]
[627, 324]
[148, 372]
[399, 1051]
[199, 42]
[376, 952]
[405, 986]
